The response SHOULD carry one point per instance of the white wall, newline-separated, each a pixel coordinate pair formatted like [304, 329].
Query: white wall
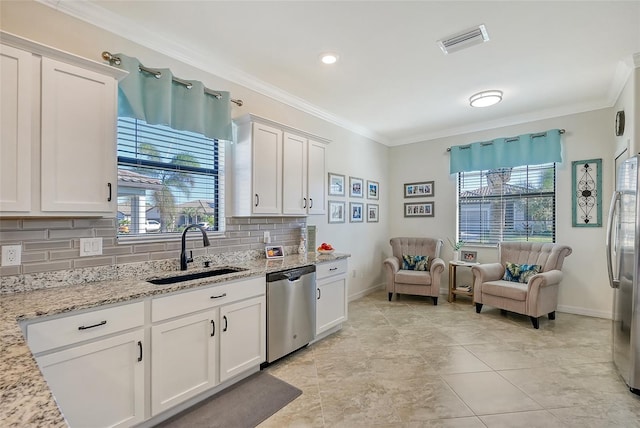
[629, 97]
[348, 154]
[589, 135]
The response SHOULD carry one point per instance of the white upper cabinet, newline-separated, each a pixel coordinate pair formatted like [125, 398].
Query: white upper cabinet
[79, 168]
[277, 170]
[317, 177]
[294, 175]
[16, 88]
[58, 148]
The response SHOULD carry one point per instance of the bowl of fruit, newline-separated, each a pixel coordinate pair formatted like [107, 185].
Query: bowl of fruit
[325, 248]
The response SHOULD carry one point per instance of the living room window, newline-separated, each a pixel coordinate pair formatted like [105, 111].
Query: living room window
[167, 179]
[507, 204]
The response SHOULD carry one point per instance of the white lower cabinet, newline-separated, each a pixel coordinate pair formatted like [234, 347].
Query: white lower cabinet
[331, 295]
[184, 357]
[192, 352]
[99, 384]
[96, 362]
[242, 336]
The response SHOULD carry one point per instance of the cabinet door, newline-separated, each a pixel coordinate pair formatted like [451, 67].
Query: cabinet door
[331, 308]
[78, 138]
[183, 359]
[16, 101]
[242, 336]
[101, 383]
[294, 175]
[317, 178]
[267, 170]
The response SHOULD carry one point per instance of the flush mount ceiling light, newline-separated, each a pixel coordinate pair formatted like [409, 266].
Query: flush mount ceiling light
[329, 57]
[485, 98]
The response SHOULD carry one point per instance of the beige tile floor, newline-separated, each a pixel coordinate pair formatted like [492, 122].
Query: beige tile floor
[407, 363]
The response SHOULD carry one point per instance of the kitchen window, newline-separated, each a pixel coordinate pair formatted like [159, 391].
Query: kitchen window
[167, 179]
[507, 204]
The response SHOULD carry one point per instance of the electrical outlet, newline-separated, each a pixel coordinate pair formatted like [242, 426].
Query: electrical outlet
[90, 247]
[11, 255]
[354, 274]
[266, 237]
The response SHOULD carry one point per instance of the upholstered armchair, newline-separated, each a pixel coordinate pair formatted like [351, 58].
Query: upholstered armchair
[415, 267]
[526, 280]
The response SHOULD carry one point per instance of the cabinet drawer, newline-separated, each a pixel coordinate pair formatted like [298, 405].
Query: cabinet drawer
[207, 297]
[337, 267]
[51, 334]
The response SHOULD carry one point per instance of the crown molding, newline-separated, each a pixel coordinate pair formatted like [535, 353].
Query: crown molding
[49, 52]
[502, 122]
[109, 21]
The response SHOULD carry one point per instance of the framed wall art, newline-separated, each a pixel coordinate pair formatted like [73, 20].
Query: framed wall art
[418, 209]
[336, 211]
[372, 213]
[419, 190]
[336, 184]
[586, 198]
[356, 210]
[356, 187]
[373, 189]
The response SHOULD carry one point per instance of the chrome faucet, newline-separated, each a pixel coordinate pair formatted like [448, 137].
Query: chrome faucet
[183, 253]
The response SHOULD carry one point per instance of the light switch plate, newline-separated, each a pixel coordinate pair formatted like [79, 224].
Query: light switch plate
[11, 255]
[90, 247]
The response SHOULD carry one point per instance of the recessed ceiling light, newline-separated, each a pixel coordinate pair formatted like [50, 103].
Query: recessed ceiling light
[485, 98]
[329, 58]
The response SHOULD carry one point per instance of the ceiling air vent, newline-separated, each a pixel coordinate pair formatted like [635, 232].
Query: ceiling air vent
[464, 39]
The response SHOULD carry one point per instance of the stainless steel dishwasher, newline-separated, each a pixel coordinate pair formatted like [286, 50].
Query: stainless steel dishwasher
[291, 310]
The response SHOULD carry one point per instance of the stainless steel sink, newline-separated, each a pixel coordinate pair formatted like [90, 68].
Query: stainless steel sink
[195, 275]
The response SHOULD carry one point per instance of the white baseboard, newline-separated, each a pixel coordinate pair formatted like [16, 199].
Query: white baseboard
[583, 311]
[365, 292]
[561, 308]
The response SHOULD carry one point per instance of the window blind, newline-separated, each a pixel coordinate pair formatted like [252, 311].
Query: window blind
[177, 177]
[507, 204]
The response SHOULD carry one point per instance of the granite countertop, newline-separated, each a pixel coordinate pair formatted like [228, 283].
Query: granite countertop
[25, 398]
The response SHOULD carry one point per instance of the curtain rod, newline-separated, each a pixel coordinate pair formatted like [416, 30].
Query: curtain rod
[116, 60]
[487, 143]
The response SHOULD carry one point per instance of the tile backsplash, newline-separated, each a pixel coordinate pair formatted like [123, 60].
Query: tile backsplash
[53, 245]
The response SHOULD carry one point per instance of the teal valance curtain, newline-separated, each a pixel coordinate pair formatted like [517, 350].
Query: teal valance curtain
[159, 99]
[526, 149]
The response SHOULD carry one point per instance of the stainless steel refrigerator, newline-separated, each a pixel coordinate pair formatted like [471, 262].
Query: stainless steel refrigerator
[623, 266]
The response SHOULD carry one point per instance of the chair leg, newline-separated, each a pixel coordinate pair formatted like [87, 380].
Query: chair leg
[536, 322]
[390, 296]
[552, 315]
[478, 307]
[435, 301]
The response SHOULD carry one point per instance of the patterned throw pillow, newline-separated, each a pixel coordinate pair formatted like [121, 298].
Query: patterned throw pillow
[520, 273]
[415, 262]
